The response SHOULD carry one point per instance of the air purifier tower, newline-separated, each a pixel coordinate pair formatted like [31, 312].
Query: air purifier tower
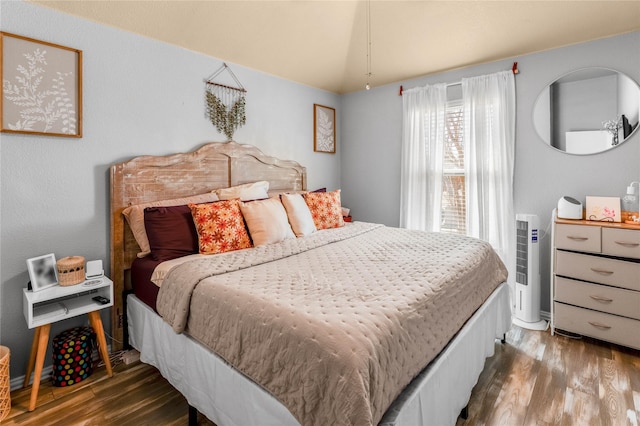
[527, 286]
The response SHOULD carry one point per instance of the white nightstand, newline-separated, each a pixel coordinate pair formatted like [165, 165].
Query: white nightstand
[53, 304]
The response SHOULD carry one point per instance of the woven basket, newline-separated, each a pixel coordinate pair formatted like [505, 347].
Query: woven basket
[5, 390]
[70, 270]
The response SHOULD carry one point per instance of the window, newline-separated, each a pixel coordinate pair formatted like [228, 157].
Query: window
[479, 138]
[453, 215]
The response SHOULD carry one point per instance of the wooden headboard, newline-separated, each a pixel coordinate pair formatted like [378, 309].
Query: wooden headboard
[154, 178]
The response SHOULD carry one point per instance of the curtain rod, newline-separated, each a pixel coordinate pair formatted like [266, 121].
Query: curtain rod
[514, 69]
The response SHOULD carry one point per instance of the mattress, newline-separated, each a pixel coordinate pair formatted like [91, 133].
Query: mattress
[141, 272]
[337, 324]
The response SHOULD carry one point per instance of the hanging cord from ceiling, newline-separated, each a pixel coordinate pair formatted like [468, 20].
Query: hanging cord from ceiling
[368, 12]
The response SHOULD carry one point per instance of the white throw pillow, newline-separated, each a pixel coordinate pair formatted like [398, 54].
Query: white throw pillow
[267, 221]
[299, 214]
[246, 192]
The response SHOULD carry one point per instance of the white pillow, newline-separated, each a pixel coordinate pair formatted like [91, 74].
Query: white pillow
[267, 221]
[275, 193]
[135, 216]
[246, 192]
[299, 214]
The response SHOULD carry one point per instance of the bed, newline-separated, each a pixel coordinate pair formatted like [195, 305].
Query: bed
[306, 330]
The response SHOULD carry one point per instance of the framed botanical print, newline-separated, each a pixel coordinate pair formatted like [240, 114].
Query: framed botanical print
[41, 87]
[324, 129]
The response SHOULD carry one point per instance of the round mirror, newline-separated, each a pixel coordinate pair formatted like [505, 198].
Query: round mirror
[587, 111]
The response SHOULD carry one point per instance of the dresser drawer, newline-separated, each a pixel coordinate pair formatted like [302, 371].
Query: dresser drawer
[596, 269]
[599, 297]
[611, 328]
[578, 238]
[621, 242]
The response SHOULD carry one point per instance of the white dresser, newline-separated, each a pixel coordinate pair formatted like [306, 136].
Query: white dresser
[595, 287]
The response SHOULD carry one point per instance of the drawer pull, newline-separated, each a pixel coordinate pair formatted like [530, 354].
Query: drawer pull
[601, 299]
[598, 325]
[574, 238]
[627, 243]
[601, 271]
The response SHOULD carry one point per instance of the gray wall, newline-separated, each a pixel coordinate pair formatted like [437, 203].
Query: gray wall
[140, 97]
[372, 129]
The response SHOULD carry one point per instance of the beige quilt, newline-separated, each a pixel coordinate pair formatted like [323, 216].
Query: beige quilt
[336, 324]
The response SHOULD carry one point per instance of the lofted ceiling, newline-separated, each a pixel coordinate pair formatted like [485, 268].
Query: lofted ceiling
[323, 43]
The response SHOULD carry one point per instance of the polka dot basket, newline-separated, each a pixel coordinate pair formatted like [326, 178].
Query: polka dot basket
[72, 350]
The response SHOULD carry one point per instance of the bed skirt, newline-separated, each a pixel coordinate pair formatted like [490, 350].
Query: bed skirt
[229, 398]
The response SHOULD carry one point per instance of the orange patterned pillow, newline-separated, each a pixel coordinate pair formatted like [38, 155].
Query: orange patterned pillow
[325, 208]
[220, 227]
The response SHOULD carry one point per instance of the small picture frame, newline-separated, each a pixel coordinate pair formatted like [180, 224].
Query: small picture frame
[603, 209]
[41, 90]
[324, 129]
[42, 271]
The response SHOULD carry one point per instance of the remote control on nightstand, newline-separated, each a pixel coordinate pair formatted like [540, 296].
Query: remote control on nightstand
[101, 299]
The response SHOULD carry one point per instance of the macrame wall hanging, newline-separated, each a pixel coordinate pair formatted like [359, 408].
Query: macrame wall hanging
[225, 105]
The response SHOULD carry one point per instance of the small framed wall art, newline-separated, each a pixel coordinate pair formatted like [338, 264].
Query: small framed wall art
[41, 87]
[324, 129]
[42, 271]
[603, 209]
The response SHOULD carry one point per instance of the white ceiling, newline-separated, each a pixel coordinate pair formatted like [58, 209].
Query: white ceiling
[323, 43]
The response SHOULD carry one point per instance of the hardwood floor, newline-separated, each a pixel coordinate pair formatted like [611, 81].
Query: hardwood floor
[533, 379]
[536, 379]
[136, 395]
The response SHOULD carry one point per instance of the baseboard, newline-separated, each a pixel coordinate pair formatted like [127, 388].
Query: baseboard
[17, 382]
[545, 315]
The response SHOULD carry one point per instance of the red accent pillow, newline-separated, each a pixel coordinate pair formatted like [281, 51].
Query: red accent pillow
[325, 208]
[170, 231]
[220, 227]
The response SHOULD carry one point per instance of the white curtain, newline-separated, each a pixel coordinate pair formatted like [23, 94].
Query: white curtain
[423, 113]
[489, 138]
